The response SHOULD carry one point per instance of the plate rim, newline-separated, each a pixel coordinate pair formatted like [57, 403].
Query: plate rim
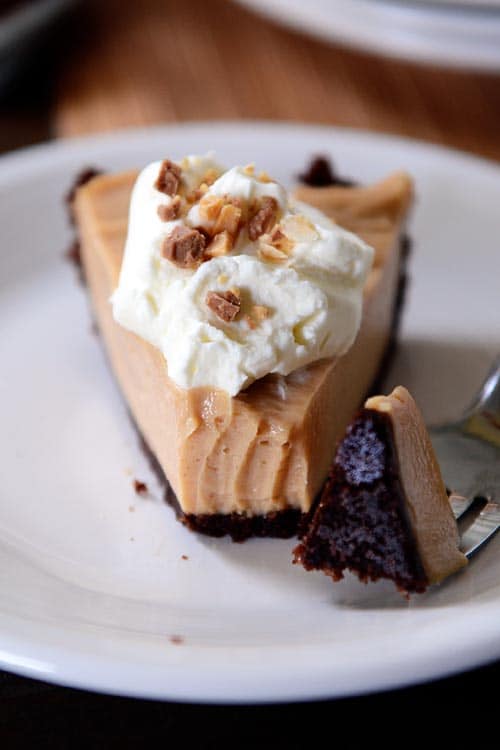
[21, 158]
[400, 44]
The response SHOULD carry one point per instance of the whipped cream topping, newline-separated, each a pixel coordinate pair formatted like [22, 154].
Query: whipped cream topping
[231, 279]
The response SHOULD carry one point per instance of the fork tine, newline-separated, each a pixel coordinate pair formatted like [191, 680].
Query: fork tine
[482, 529]
[460, 505]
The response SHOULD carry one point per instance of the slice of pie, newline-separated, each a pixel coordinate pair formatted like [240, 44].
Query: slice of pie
[251, 463]
[384, 512]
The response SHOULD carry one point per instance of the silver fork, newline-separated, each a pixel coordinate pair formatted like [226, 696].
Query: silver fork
[468, 452]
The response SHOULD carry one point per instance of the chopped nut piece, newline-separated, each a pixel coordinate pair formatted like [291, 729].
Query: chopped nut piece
[194, 196]
[260, 312]
[264, 218]
[201, 190]
[228, 219]
[226, 305]
[168, 178]
[264, 177]
[280, 241]
[171, 211]
[184, 247]
[221, 244]
[249, 170]
[268, 252]
[210, 207]
[210, 176]
[299, 228]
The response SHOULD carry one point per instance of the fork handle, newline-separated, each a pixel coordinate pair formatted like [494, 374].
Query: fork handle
[487, 401]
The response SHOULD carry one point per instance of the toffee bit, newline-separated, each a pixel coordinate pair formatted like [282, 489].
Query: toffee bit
[170, 211]
[140, 487]
[264, 218]
[204, 233]
[184, 247]
[168, 178]
[226, 305]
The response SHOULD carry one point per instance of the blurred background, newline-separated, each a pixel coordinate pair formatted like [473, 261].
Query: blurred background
[429, 69]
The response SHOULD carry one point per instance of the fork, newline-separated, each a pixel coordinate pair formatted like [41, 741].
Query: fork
[468, 451]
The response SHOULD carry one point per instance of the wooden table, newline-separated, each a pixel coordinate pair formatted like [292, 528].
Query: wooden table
[136, 63]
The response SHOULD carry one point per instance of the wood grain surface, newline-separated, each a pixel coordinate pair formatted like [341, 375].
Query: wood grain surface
[152, 61]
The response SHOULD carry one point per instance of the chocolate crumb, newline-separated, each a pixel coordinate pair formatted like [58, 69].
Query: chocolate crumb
[140, 487]
[184, 557]
[176, 639]
[184, 247]
[73, 254]
[168, 178]
[226, 305]
[264, 219]
[81, 179]
[171, 211]
[320, 173]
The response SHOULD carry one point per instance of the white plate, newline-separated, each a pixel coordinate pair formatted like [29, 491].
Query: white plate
[447, 34]
[83, 604]
[485, 4]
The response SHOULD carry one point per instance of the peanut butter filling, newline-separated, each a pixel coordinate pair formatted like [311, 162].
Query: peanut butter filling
[269, 447]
